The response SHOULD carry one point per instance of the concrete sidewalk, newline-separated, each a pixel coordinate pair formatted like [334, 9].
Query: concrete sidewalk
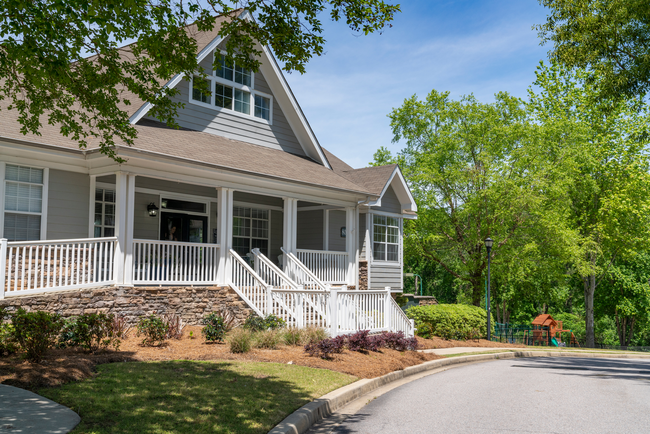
[22, 411]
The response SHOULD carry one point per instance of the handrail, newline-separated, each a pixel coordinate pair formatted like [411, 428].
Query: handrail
[312, 277]
[280, 279]
[250, 287]
[329, 266]
[329, 252]
[175, 243]
[71, 241]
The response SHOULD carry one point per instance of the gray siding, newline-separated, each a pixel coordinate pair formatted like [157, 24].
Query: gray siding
[259, 199]
[390, 202]
[279, 135]
[383, 275]
[276, 235]
[213, 222]
[310, 230]
[337, 221]
[362, 236]
[174, 187]
[68, 205]
[145, 227]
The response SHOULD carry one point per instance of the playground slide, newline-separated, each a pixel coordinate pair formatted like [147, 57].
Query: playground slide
[554, 342]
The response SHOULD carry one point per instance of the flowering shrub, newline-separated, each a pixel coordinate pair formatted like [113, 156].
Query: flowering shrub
[360, 341]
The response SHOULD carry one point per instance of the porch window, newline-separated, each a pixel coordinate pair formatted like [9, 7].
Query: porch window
[385, 246]
[23, 203]
[250, 230]
[104, 212]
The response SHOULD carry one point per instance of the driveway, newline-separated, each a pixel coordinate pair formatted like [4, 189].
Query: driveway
[535, 395]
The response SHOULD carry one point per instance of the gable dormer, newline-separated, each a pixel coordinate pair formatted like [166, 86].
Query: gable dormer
[253, 107]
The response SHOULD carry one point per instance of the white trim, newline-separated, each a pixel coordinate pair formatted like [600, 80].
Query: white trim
[2, 202]
[319, 207]
[44, 198]
[386, 213]
[130, 218]
[399, 262]
[250, 237]
[326, 229]
[257, 205]
[91, 206]
[120, 225]
[194, 197]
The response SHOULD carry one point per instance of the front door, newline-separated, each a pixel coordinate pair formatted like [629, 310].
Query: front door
[183, 227]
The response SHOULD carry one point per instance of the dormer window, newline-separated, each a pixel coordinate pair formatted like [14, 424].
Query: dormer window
[231, 88]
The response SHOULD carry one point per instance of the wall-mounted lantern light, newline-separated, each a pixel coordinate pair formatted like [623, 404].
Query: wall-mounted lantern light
[153, 209]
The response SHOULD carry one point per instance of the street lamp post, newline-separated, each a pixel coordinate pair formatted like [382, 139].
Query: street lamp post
[488, 246]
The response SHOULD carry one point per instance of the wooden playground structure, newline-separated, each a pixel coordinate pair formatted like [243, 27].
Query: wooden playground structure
[548, 332]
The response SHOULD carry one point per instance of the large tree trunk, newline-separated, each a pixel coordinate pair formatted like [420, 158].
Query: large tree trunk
[478, 291]
[590, 289]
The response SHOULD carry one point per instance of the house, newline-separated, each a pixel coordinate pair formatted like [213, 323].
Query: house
[241, 197]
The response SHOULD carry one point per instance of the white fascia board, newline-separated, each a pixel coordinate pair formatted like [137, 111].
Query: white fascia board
[291, 109]
[142, 111]
[409, 204]
[161, 166]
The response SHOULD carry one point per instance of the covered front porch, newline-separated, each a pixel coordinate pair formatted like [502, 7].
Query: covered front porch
[144, 230]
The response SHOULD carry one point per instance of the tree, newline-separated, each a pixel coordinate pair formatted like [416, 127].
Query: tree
[609, 194]
[477, 170]
[609, 37]
[626, 295]
[60, 62]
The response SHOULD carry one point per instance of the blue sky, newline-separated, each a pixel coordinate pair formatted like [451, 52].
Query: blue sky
[471, 46]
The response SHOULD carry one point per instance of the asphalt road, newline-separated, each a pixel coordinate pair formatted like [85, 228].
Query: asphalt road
[536, 395]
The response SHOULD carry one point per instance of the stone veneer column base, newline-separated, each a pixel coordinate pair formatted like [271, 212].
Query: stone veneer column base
[363, 275]
[191, 303]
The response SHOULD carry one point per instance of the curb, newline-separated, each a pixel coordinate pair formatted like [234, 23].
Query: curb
[302, 419]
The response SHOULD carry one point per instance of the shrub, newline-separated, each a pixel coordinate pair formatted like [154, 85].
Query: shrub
[269, 339]
[327, 347]
[256, 323]
[214, 328]
[121, 328]
[313, 334]
[240, 340]
[361, 341]
[294, 336]
[153, 328]
[449, 321]
[7, 341]
[91, 332]
[397, 341]
[35, 332]
[174, 325]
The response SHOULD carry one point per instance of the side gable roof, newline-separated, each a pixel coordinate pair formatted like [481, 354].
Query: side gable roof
[376, 180]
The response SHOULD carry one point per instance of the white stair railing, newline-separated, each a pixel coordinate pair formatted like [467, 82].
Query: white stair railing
[270, 273]
[398, 321]
[327, 266]
[249, 286]
[172, 262]
[302, 275]
[31, 267]
[301, 308]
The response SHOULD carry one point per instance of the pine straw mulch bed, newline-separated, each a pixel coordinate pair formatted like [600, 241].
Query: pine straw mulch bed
[64, 365]
[436, 342]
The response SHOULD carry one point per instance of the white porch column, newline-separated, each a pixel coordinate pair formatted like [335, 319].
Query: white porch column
[130, 217]
[120, 225]
[350, 244]
[224, 233]
[290, 226]
[91, 207]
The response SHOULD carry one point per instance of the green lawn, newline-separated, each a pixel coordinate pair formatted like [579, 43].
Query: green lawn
[192, 397]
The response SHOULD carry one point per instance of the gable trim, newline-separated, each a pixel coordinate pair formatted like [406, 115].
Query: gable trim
[410, 205]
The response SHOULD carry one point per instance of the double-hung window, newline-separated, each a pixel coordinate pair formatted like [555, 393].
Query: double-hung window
[250, 230]
[230, 87]
[23, 203]
[104, 212]
[385, 238]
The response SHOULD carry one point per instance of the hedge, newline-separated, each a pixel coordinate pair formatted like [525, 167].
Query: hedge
[449, 321]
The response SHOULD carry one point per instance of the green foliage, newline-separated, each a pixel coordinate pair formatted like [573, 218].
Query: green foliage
[71, 73]
[449, 321]
[240, 340]
[154, 330]
[293, 336]
[214, 327]
[8, 344]
[92, 332]
[314, 334]
[268, 339]
[35, 332]
[608, 37]
[256, 323]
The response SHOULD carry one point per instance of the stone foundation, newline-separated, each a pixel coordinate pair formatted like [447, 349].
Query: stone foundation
[363, 275]
[190, 303]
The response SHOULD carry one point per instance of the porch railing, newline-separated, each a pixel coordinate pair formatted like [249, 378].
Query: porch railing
[328, 266]
[301, 308]
[171, 262]
[360, 310]
[249, 286]
[302, 275]
[28, 267]
[270, 273]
